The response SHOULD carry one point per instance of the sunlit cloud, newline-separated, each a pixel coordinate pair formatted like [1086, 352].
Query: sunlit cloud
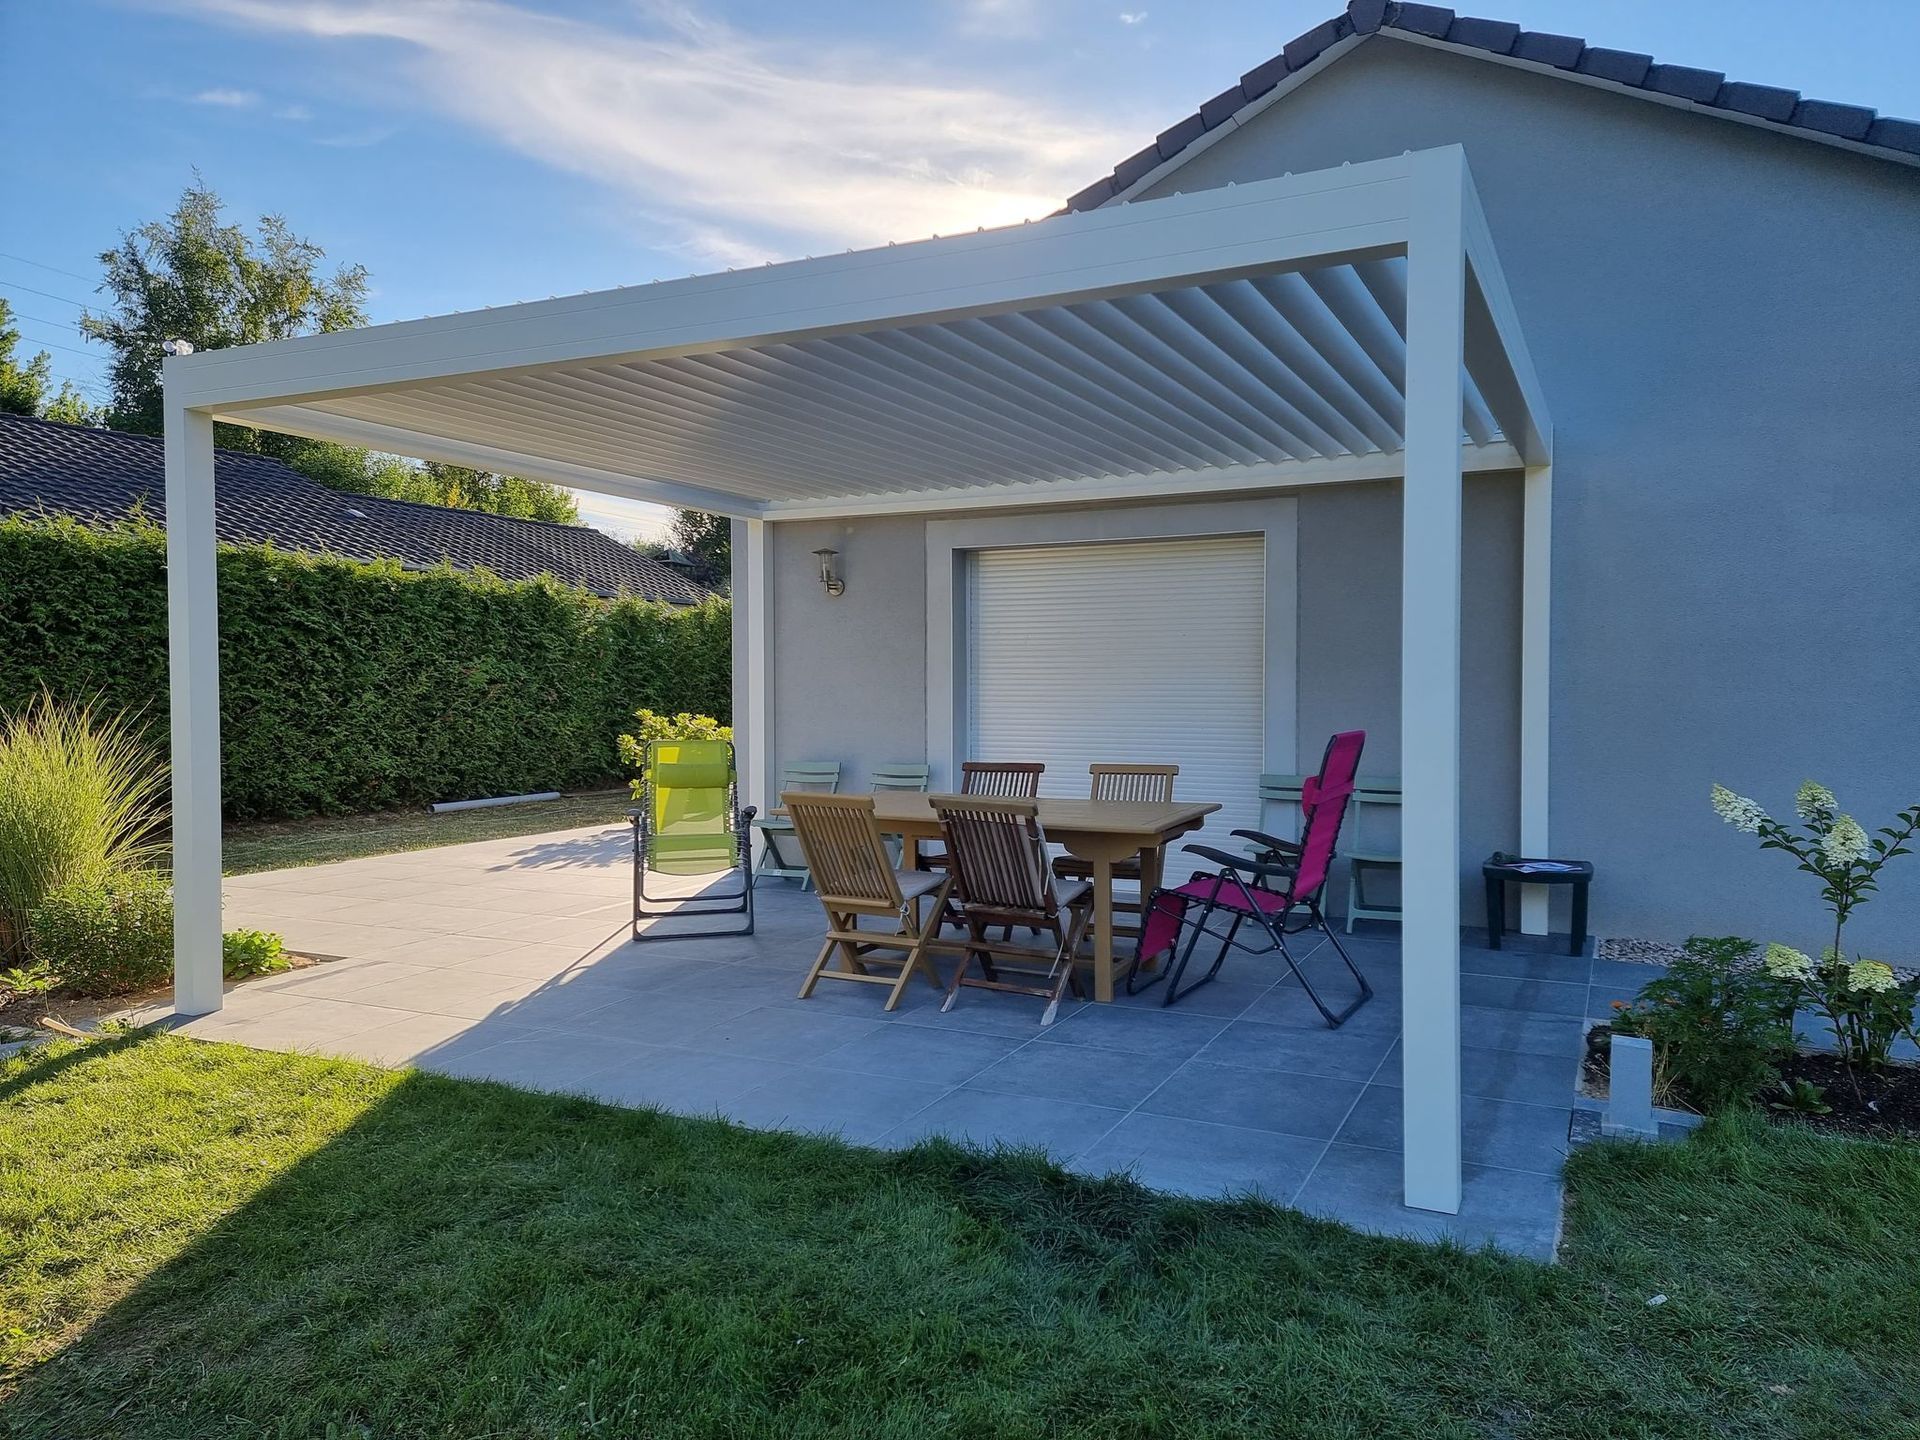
[228, 99]
[1132, 17]
[741, 148]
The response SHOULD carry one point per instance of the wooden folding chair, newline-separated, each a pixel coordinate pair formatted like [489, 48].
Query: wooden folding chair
[1149, 783]
[1001, 876]
[991, 777]
[854, 876]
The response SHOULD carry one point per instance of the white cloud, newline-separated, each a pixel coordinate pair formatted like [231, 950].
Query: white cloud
[1132, 17]
[295, 113]
[749, 148]
[622, 518]
[228, 99]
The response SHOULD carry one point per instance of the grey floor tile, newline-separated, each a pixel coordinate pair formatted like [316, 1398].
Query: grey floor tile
[984, 1011]
[943, 1057]
[1186, 1158]
[1544, 997]
[1623, 973]
[1146, 1032]
[1505, 1075]
[1307, 1105]
[780, 1033]
[683, 1083]
[1287, 1004]
[1084, 1074]
[1492, 1132]
[1604, 1001]
[858, 1108]
[1515, 1211]
[1524, 965]
[660, 1020]
[542, 1060]
[1494, 1029]
[1241, 981]
[987, 1118]
[1343, 1054]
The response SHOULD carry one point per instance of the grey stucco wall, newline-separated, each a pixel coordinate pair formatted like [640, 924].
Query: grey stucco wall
[1726, 323]
[850, 674]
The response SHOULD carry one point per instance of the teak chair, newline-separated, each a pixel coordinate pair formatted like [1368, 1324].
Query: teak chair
[1148, 783]
[1001, 876]
[689, 822]
[854, 876]
[1020, 778]
[1278, 891]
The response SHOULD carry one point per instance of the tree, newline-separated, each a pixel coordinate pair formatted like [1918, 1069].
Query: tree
[70, 407]
[192, 277]
[433, 483]
[707, 542]
[23, 388]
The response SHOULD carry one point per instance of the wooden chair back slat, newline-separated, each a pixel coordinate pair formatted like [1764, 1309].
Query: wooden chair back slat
[998, 854]
[1148, 783]
[845, 853]
[1016, 778]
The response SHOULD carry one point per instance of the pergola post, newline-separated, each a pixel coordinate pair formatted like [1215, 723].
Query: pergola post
[193, 652]
[1430, 682]
[1536, 611]
[752, 690]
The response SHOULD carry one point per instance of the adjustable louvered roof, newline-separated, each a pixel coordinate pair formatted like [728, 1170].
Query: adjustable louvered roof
[1254, 334]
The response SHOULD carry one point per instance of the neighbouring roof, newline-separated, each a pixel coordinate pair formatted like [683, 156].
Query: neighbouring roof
[108, 475]
[1707, 91]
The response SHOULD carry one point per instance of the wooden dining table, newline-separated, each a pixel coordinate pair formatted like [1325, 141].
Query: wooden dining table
[1099, 832]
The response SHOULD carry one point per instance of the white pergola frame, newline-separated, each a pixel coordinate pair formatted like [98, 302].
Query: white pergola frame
[1459, 317]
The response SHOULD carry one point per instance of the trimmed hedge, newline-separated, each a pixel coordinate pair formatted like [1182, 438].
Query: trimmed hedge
[347, 686]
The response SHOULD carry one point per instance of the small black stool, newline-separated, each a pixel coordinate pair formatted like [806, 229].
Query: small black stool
[1503, 867]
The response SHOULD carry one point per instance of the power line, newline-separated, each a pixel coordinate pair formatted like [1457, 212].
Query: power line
[42, 265]
[49, 345]
[42, 320]
[48, 294]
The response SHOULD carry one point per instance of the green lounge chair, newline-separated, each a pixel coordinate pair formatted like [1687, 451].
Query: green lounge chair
[690, 823]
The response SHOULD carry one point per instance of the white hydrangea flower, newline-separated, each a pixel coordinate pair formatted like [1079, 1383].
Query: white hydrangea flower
[1783, 962]
[1737, 810]
[1845, 843]
[1815, 803]
[1870, 975]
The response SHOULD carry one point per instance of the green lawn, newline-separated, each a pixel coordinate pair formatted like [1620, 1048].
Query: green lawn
[203, 1240]
[278, 844]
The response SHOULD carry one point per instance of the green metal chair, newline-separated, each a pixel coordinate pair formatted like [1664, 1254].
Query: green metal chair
[1377, 860]
[911, 778]
[689, 822]
[781, 854]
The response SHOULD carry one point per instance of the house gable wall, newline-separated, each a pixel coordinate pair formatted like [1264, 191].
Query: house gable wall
[1726, 324]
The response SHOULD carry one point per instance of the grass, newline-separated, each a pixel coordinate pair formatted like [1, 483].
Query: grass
[281, 844]
[201, 1240]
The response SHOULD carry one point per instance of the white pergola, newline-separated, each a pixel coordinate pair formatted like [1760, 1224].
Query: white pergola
[1340, 326]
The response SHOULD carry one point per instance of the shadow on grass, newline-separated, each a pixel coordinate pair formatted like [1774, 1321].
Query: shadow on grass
[360, 1252]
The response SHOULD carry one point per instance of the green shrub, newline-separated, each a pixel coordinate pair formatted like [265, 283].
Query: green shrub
[113, 936]
[106, 937]
[78, 801]
[251, 952]
[348, 686]
[1720, 1025]
[651, 726]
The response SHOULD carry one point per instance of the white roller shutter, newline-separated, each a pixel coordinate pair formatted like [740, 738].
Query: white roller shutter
[1143, 651]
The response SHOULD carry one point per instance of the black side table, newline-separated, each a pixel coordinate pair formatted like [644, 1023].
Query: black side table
[1503, 867]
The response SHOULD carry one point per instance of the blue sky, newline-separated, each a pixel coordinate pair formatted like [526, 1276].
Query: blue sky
[476, 152]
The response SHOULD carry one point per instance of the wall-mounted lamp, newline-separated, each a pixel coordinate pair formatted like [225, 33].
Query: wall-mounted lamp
[835, 586]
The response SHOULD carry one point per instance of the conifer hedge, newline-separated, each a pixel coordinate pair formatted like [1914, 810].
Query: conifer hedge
[347, 686]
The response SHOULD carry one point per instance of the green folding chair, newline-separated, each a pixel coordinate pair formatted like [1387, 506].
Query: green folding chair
[910, 777]
[781, 854]
[690, 823]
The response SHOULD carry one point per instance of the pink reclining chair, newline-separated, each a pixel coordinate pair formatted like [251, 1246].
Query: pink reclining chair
[1277, 891]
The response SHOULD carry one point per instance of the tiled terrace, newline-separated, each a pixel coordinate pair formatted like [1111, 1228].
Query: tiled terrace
[510, 960]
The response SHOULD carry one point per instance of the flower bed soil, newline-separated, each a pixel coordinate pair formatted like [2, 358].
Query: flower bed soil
[1880, 1105]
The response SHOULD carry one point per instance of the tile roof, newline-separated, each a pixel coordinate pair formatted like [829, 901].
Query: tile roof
[105, 475]
[1708, 89]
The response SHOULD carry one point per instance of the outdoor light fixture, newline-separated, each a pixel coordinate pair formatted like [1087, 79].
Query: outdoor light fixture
[177, 347]
[836, 587]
